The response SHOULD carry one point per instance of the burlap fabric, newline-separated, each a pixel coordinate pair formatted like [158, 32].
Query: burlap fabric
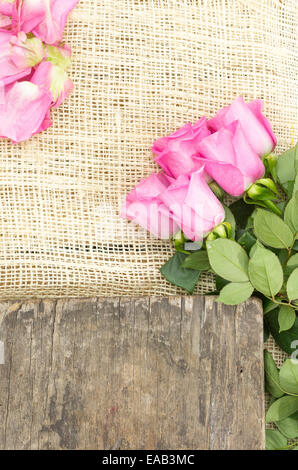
[141, 68]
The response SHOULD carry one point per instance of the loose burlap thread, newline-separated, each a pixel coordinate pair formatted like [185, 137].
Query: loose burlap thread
[141, 69]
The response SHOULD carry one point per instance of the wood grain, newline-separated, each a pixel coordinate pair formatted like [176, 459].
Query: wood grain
[148, 373]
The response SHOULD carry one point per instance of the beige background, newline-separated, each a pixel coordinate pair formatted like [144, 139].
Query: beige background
[141, 69]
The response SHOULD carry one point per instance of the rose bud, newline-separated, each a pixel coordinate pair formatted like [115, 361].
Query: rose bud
[174, 153]
[255, 126]
[193, 205]
[230, 160]
[144, 207]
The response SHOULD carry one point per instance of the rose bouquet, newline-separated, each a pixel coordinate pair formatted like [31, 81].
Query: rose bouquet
[250, 245]
[34, 63]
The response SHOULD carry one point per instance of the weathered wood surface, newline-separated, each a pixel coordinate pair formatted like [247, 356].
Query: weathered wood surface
[171, 373]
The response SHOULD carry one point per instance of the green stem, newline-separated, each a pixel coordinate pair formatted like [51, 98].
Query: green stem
[290, 249]
[288, 447]
[273, 299]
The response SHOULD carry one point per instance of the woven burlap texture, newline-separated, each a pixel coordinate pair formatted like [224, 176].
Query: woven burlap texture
[142, 68]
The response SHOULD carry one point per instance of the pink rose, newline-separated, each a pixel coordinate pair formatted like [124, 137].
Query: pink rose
[25, 106]
[230, 160]
[5, 13]
[4, 21]
[54, 81]
[6, 7]
[193, 205]
[18, 55]
[46, 19]
[9, 70]
[25, 111]
[25, 52]
[175, 152]
[144, 207]
[255, 126]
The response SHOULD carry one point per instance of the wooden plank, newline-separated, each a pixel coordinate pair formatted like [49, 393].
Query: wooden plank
[148, 373]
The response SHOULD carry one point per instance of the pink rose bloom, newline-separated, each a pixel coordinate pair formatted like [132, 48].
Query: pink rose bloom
[193, 205]
[25, 111]
[256, 127]
[230, 160]
[17, 55]
[54, 81]
[144, 207]
[26, 52]
[5, 13]
[4, 21]
[25, 106]
[175, 152]
[46, 19]
[6, 7]
[9, 71]
[28, 14]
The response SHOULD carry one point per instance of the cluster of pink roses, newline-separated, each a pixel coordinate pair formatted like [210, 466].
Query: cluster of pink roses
[34, 63]
[227, 148]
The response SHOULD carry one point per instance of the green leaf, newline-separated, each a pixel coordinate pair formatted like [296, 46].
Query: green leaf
[198, 260]
[272, 400]
[282, 408]
[220, 282]
[291, 214]
[272, 230]
[268, 305]
[288, 376]
[235, 293]
[272, 376]
[265, 272]
[228, 259]
[296, 179]
[292, 264]
[287, 166]
[254, 247]
[292, 285]
[282, 255]
[289, 426]
[241, 212]
[181, 277]
[247, 240]
[285, 339]
[266, 332]
[230, 219]
[275, 440]
[286, 318]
